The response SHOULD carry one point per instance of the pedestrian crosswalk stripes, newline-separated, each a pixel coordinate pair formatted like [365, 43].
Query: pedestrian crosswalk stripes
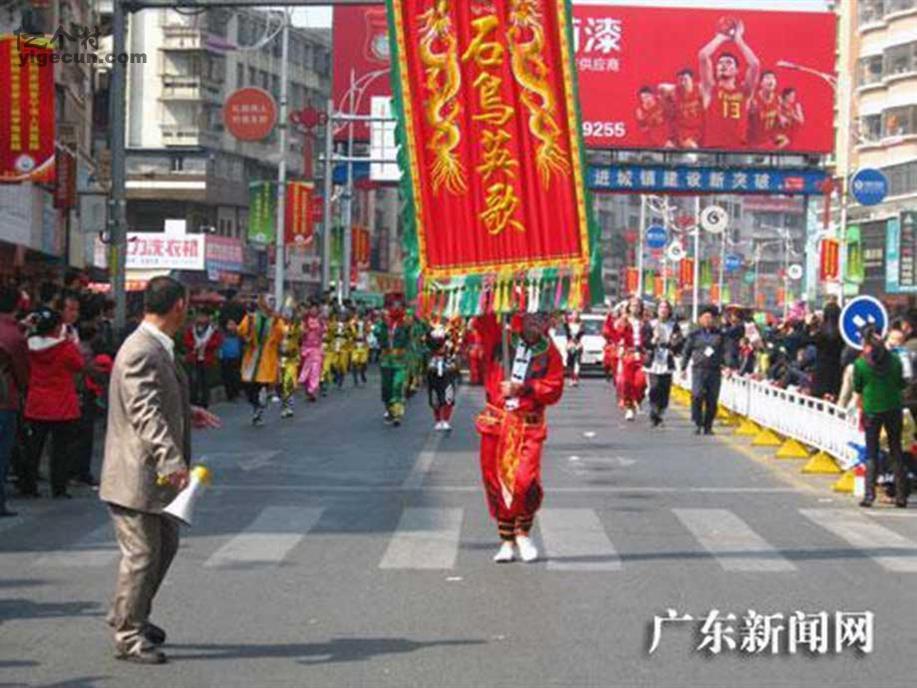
[426, 538]
[576, 541]
[887, 548]
[96, 549]
[268, 539]
[732, 541]
[573, 540]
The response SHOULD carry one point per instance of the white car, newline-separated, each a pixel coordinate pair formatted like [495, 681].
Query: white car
[593, 342]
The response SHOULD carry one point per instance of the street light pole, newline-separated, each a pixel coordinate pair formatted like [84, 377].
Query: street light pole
[329, 188]
[640, 237]
[347, 210]
[117, 263]
[280, 236]
[695, 290]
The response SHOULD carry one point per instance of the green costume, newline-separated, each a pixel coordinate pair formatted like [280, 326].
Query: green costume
[395, 342]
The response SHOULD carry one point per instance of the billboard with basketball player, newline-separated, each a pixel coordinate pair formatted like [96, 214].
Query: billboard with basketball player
[671, 77]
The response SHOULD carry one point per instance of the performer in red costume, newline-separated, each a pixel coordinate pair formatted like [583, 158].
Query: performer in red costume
[612, 342]
[513, 427]
[475, 354]
[634, 337]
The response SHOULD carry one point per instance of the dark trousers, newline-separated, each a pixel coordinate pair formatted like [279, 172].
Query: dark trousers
[84, 443]
[253, 394]
[660, 391]
[705, 396]
[232, 377]
[891, 421]
[200, 390]
[63, 434]
[8, 422]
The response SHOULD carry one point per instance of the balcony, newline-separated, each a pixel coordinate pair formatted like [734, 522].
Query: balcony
[189, 135]
[190, 88]
[179, 37]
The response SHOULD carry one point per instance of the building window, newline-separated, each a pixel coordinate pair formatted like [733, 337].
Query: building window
[177, 163]
[900, 121]
[900, 5]
[871, 127]
[871, 11]
[265, 80]
[240, 76]
[902, 179]
[901, 59]
[871, 70]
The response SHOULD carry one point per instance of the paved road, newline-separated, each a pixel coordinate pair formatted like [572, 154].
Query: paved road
[335, 551]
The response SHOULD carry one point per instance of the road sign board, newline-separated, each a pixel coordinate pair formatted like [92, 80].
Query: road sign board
[656, 237]
[733, 262]
[795, 271]
[714, 219]
[859, 312]
[869, 186]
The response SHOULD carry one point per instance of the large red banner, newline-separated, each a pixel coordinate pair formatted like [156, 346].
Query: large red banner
[361, 49]
[26, 110]
[718, 79]
[494, 161]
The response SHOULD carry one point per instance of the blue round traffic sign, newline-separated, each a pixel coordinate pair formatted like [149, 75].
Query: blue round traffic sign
[857, 314]
[733, 262]
[869, 186]
[656, 237]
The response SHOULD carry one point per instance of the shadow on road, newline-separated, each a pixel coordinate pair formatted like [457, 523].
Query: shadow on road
[26, 609]
[332, 652]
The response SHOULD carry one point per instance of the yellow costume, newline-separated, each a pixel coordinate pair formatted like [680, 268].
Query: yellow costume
[359, 355]
[341, 345]
[289, 363]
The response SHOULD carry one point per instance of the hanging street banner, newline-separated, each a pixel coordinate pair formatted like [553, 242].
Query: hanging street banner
[486, 98]
[298, 224]
[26, 111]
[262, 212]
[685, 179]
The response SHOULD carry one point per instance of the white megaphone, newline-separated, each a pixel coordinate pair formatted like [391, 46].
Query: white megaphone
[182, 506]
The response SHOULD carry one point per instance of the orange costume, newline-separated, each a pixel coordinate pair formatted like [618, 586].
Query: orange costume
[514, 430]
[764, 120]
[689, 117]
[633, 336]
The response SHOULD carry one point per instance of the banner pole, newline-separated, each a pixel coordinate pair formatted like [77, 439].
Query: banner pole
[504, 337]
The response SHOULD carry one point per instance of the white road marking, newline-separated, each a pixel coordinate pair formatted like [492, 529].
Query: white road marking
[574, 540]
[424, 463]
[98, 548]
[375, 489]
[734, 544]
[899, 553]
[269, 538]
[425, 538]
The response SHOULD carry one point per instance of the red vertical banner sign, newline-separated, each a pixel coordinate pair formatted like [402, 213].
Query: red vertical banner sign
[829, 260]
[715, 292]
[486, 98]
[633, 281]
[298, 223]
[360, 247]
[657, 286]
[686, 276]
[65, 193]
[26, 110]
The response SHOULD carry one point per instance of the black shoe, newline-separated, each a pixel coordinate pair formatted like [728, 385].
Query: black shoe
[29, 494]
[899, 503]
[866, 503]
[150, 655]
[708, 431]
[88, 480]
[698, 430]
[6, 513]
[62, 495]
[154, 634]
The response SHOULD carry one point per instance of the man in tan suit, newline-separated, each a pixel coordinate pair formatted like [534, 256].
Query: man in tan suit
[147, 455]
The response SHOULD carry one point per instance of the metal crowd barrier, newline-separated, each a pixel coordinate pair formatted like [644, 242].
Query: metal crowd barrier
[815, 423]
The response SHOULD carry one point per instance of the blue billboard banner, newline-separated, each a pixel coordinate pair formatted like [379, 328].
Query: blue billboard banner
[684, 179]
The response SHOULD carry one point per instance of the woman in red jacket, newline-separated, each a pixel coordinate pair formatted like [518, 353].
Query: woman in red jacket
[52, 407]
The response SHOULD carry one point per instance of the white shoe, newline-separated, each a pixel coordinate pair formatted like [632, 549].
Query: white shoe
[438, 426]
[505, 554]
[527, 549]
[630, 415]
[446, 426]
[286, 413]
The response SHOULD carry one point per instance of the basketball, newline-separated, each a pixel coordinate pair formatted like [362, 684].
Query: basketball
[727, 26]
